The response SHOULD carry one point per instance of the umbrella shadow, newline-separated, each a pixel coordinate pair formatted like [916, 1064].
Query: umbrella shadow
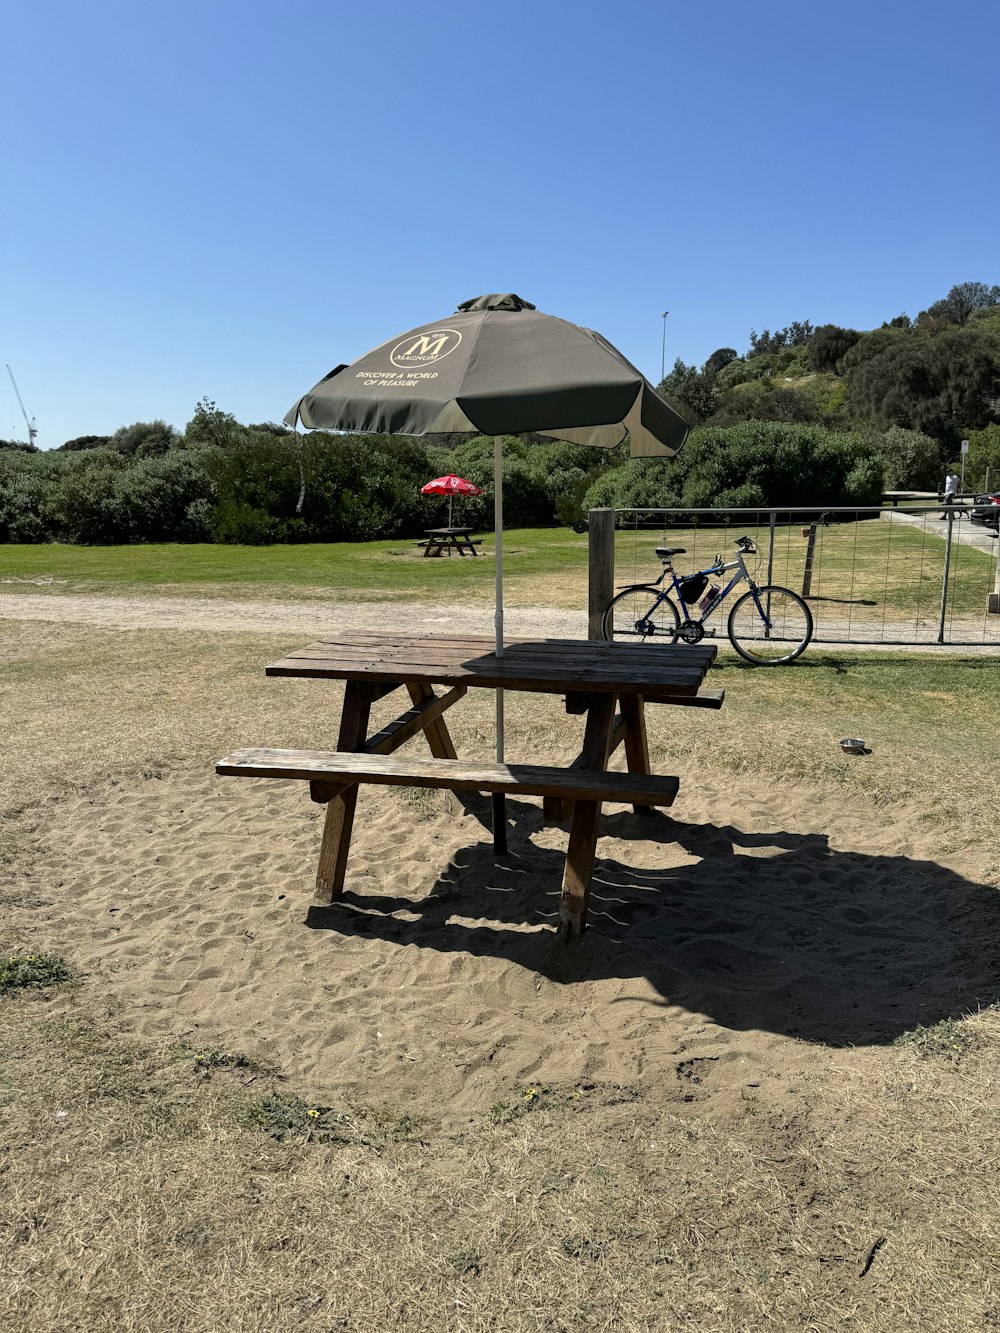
[775, 931]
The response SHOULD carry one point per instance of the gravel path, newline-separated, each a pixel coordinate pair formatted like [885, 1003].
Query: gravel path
[301, 618]
[310, 620]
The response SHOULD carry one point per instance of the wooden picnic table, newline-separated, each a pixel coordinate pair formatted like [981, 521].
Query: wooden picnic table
[593, 676]
[440, 540]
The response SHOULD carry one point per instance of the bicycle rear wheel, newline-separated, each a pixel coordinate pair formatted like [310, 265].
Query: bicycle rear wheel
[641, 615]
[769, 626]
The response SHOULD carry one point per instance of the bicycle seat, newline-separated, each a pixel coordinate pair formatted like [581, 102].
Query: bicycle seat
[665, 552]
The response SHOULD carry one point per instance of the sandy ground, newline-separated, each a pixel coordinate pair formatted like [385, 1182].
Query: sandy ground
[728, 939]
[725, 944]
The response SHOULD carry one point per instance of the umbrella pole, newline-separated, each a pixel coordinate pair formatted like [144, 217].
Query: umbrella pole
[499, 800]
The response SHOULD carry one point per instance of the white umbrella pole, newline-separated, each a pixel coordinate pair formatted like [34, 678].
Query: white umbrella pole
[499, 802]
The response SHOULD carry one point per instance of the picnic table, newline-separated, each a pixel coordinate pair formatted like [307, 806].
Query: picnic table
[440, 540]
[595, 677]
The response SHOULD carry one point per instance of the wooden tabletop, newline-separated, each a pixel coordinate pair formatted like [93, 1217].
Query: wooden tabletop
[546, 666]
[447, 532]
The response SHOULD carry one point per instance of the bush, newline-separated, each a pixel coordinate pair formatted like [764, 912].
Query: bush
[357, 488]
[145, 439]
[755, 463]
[911, 460]
[24, 484]
[102, 497]
[984, 452]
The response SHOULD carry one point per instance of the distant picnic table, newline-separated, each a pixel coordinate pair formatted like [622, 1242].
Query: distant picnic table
[440, 540]
[595, 677]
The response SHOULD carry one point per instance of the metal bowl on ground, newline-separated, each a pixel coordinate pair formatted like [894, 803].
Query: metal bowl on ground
[854, 746]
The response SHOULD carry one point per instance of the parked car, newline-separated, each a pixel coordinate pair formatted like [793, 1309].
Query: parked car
[987, 511]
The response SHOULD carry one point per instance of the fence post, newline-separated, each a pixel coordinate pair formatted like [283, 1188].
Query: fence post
[947, 572]
[807, 573]
[993, 601]
[601, 567]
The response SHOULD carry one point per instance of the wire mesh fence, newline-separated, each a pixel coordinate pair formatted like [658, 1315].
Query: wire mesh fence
[919, 575]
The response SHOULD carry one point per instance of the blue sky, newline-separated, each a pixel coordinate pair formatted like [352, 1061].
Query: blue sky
[222, 199]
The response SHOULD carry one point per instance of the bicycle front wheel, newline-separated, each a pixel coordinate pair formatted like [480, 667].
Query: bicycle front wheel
[770, 625]
[641, 615]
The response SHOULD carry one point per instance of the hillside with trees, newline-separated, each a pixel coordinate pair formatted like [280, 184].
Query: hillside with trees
[806, 415]
[936, 376]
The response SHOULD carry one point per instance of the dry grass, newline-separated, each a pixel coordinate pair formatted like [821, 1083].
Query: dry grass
[138, 1200]
[163, 1187]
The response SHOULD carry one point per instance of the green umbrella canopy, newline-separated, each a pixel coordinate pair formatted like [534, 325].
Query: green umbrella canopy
[496, 367]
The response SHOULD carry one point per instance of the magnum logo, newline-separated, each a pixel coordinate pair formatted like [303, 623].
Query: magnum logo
[423, 349]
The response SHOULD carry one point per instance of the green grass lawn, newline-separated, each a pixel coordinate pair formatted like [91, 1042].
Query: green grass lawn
[870, 571]
[382, 570]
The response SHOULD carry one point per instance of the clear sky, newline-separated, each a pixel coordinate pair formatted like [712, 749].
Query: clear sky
[230, 199]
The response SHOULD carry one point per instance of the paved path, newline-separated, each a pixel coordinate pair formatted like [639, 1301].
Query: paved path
[962, 531]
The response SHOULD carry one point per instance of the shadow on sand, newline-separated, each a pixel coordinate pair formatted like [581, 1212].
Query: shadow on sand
[776, 932]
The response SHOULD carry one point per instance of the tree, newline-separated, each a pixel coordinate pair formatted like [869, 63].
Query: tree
[939, 385]
[720, 358]
[690, 392]
[828, 344]
[20, 446]
[960, 303]
[209, 425]
[795, 335]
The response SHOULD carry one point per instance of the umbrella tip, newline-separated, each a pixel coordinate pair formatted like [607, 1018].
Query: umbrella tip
[496, 301]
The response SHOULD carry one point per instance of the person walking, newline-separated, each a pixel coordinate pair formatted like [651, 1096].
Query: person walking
[950, 490]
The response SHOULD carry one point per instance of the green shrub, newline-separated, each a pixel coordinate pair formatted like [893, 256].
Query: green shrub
[756, 462]
[102, 497]
[911, 460]
[24, 485]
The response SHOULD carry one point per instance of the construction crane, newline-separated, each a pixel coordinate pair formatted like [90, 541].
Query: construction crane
[28, 421]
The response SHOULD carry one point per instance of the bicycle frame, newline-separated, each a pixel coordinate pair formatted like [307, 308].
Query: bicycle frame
[721, 567]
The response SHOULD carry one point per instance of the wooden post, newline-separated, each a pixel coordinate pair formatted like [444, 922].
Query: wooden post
[636, 744]
[601, 567]
[583, 830]
[340, 811]
[807, 573]
[993, 602]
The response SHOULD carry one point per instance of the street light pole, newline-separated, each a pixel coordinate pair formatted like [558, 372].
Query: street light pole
[663, 349]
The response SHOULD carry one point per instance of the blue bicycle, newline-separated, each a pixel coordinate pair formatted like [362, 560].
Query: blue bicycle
[767, 626]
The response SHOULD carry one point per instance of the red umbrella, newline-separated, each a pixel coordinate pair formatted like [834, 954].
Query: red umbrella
[450, 485]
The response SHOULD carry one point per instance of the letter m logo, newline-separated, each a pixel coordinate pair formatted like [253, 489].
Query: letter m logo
[427, 344]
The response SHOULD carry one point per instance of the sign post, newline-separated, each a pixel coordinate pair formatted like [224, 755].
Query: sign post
[965, 450]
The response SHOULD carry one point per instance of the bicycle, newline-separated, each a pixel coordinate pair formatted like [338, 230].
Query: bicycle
[768, 625]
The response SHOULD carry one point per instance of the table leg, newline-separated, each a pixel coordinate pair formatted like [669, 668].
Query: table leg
[636, 744]
[340, 811]
[583, 830]
[437, 733]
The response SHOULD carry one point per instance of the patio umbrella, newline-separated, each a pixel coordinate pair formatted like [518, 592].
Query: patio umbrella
[497, 366]
[451, 486]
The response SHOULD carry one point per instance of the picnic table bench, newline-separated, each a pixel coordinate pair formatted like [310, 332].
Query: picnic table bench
[607, 683]
[440, 540]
